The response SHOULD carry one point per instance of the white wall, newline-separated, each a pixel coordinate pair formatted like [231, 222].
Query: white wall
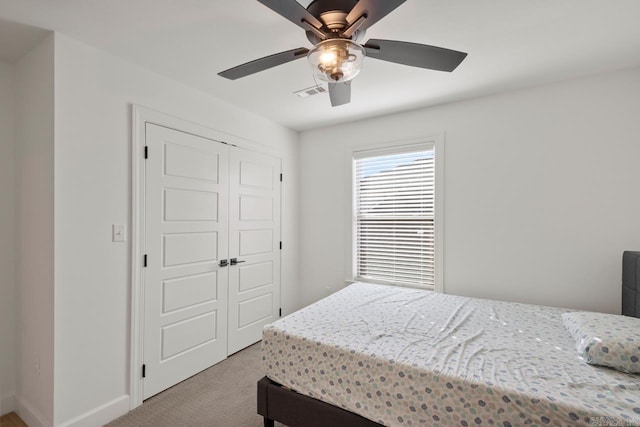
[94, 91]
[35, 234]
[541, 192]
[7, 238]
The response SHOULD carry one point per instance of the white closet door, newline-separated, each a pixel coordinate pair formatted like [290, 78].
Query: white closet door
[254, 241]
[186, 236]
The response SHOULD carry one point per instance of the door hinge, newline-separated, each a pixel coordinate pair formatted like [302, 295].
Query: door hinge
[281, 244]
[146, 151]
[144, 371]
[280, 177]
[144, 260]
[280, 313]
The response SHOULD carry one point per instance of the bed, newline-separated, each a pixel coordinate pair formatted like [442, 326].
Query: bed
[374, 355]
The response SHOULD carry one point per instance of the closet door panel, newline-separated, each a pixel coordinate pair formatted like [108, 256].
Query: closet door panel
[254, 241]
[186, 236]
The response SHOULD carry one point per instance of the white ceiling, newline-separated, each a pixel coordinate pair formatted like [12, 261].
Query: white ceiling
[511, 44]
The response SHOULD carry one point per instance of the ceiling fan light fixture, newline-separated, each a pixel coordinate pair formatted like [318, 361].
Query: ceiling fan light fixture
[336, 60]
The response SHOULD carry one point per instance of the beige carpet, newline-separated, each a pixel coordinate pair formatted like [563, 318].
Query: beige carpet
[223, 395]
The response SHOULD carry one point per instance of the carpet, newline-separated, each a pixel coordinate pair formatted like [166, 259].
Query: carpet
[223, 395]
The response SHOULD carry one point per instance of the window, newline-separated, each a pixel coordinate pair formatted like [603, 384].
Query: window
[394, 214]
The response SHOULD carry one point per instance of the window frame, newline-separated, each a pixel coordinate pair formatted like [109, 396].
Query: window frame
[435, 142]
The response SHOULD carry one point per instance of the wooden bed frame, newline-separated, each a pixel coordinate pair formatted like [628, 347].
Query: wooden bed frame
[278, 403]
[631, 284]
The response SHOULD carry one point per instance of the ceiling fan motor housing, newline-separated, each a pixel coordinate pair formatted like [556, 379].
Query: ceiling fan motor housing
[334, 20]
[318, 7]
[333, 14]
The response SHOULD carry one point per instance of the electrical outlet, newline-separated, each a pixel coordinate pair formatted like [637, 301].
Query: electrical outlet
[118, 233]
[328, 290]
[36, 365]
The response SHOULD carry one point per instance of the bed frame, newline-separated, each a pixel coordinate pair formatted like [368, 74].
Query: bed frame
[281, 404]
[631, 284]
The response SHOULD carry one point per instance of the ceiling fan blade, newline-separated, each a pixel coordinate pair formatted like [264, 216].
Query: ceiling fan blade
[340, 93]
[375, 10]
[414, 54]
[293, 11]
[264, 63]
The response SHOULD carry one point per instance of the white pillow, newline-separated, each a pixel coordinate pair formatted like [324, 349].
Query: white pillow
[606, 339]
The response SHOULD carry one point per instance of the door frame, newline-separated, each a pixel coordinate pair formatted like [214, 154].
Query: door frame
[140, 116]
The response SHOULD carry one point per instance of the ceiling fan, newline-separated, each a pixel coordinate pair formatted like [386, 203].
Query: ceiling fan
[335, 28]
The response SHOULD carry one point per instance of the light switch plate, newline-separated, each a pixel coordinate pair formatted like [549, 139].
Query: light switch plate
[118, 233]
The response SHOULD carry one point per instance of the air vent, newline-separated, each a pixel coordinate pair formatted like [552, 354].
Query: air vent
[314, 90]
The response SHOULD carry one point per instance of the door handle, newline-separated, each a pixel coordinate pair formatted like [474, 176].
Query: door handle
[235, 261]
[223, 263]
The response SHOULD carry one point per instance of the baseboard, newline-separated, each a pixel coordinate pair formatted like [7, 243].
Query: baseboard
[7, 404]
[28, 414]
[100, 415]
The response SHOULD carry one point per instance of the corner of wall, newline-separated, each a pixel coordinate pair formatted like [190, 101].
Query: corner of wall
[29, 414]
[7, 404]
[8, 241]
[34, 234]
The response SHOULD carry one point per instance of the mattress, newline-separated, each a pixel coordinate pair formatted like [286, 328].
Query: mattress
[402, 356]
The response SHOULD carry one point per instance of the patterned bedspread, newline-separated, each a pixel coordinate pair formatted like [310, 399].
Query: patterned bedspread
[402, 357]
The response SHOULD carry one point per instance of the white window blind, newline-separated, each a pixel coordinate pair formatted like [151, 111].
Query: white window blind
[394, 215]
